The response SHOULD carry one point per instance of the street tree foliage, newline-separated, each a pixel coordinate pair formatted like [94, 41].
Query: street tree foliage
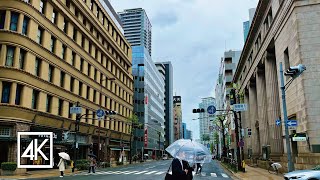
[205, 137]
[216, 137]
[134, 120]
[239, 92]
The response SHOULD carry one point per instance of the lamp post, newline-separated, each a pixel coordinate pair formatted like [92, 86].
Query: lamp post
[99, 120]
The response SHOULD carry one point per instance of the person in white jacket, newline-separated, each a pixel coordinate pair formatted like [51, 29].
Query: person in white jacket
[61, 166]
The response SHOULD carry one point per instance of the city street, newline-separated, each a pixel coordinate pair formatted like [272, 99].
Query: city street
[150, 170]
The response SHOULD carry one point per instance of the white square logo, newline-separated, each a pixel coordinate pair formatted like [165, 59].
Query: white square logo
[35, 149]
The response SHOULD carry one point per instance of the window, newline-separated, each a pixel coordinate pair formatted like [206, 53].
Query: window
[2, 19]
[37, 67]
[94, 95]
[87, 112]
[6, 88]
[65, 26]
[80, 88]
[74, 36]
[42, 6]
[73, 58]
[60, 107]
[21, 58]
[71, 84]
[50, 72]
[88, 92]
[35, 97]
[63, 51]
[81, 65]
[10, 56]
[62, 75]
[52, 43]
[14, 21]
[18, 94]
[53, 18]
[48, 103]
[95, 74]
[82, 41]
[39, 35]
[25, 25]
[89, 70]
[69, 114]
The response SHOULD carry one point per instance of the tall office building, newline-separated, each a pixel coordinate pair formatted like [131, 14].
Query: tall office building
[149, 84]
[188, 134]
[167, 68]
[184, 130]
[53, 54]
[137, 27]
[177, 116]
[247, 24]
[205, 120]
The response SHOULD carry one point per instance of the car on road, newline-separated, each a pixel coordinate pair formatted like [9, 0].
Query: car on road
[309, 174]
[165, 157]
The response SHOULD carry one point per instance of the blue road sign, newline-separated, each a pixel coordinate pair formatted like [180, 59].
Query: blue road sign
[278, 122]
[100, 113]
[211, 109]
[292, 122]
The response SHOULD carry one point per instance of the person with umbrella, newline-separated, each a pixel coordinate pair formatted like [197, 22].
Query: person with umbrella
[178, 171]
[93, 163]
[62, 163]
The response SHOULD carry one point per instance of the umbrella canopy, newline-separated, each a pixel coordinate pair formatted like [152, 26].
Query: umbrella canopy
[92, 155]
[190, 151]
[64, 155]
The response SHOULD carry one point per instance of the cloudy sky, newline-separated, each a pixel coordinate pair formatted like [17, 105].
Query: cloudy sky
[193, 34]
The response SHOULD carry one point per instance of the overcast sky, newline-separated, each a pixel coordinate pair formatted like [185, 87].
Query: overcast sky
[193, 35]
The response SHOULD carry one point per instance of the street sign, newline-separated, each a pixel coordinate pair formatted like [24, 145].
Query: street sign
[292, 122]
[240, 107]
[211, 110]
[299, 138]
[100, 113]
[278, 122]
[75, 110]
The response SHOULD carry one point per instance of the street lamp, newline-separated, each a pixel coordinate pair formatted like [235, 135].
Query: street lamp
[99, 119]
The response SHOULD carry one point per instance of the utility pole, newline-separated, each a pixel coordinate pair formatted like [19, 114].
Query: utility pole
[159, 133]
[76, 129]
[233, 100]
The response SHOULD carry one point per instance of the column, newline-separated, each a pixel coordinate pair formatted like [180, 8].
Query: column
[56, 76]
[253, 118]
[20, 23]
[67, 80]
[65, 109]
[13, 93]
[273, 104]
[262, 107]
[55, 105]
[7, 20]
[43, 102]
[76, 87]
[246, 122]
[3, 54]
[30, 62]
[0, 91]
[16, 57]
[26, 97]
[68, 56]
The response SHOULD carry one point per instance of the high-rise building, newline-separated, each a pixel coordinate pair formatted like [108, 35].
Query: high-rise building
[247, 24]
[177, 116]
[149, 83]
[205, 120]
[53, 54]
[167, 68]
[137, 27]
[188, 134]
[184, 130]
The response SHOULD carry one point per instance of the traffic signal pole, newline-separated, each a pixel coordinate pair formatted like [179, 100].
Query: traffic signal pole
[285, 117]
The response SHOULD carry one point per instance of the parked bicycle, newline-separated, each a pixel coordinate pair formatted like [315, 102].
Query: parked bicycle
[274, 167]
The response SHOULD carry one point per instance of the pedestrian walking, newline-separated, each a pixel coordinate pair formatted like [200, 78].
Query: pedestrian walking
[62, 166]
[189, 168]
[199, 168]
[93, 164]
[72, 166]
[178, 171]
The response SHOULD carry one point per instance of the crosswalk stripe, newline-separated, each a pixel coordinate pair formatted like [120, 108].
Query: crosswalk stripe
[130, 172]
[116, 172]
[224, 175]
[151, 172]
[159, 173]
[140, 172]
[213, 174]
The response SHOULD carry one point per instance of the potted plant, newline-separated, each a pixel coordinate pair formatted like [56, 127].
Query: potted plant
[8, 168]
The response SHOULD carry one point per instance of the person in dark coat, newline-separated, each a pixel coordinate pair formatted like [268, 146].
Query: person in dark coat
[189, 168]
[178, 172]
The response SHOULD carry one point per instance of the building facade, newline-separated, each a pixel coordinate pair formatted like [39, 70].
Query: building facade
[281, 32]
[137, 27]
[205, 119]
[53, 54]
[188, 134]
[168, 101]
[247, 24]
[177, 116]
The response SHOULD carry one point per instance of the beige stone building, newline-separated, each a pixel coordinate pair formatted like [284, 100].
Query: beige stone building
[284, 31]
[53, 54]
[177, 116]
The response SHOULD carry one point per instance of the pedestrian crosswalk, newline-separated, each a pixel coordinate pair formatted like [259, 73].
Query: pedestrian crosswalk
[126, 172]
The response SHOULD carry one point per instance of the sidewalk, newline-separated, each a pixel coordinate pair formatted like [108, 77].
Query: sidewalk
[255, 173]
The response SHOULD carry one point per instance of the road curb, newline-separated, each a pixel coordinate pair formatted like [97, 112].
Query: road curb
[229, 171]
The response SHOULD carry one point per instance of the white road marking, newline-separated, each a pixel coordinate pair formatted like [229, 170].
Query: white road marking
[130, 172]
[140, 172]
[224, 175]
[159, 173]
[150, 167]
[213, 174]
[151, 172]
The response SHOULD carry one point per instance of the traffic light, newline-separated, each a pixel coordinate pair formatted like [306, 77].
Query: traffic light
[111, 112]
[249, 132]
[232, 96]
[78, 118]
[201, 110]
[295, 71]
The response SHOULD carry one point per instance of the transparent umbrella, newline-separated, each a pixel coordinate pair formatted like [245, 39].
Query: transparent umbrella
[190, 151]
